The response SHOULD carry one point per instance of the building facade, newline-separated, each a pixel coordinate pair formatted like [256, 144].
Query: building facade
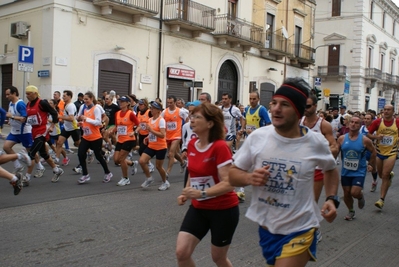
[356, 48]
[156, 48]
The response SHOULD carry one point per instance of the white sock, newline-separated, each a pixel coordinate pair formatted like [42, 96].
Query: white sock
[56, 169]
[14, 179]
[149, 178]
[17, 164]
[39, 166]
[27, 175]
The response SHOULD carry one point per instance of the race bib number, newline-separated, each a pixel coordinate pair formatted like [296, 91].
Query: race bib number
[387, 141]
[202, 183]
[152, 137]
[251, 127]
[143, 126]
[86, 131]
[351, 164]
[122, 130]
[33, 120]
[170, 126]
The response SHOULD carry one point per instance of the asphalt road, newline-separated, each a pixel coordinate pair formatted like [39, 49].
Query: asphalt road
[97, 224]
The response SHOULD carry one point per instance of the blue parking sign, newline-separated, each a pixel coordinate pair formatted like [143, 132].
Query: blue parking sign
[25, 54]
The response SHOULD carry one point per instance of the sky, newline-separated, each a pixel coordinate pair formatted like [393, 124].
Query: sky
[396, 2]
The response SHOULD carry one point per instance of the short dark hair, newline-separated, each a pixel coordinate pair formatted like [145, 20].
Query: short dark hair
[13, 90]
[207, 95]
[68, 93]
[172, 97]
[314, 99]
[228, 95]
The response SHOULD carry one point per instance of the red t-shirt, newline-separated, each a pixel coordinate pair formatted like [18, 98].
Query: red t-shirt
[203, 169]
[376, 123]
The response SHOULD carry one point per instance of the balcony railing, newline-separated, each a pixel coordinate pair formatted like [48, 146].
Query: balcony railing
[373, 74]
[228, 25]
[148, 7]
[331, 71]
[278, 43]
[190, 12]
[303, 52]
[387, 78]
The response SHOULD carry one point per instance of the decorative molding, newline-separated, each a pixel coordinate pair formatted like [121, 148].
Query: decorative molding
[334, 36]
[299, 12]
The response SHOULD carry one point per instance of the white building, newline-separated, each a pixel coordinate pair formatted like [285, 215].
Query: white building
[156, 48]
[357, 44]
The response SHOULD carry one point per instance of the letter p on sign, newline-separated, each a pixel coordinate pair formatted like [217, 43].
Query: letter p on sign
[25, 54]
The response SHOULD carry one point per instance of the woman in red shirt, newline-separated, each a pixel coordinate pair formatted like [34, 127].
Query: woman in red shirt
[214, 204]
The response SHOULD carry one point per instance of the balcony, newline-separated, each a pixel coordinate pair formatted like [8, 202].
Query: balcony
[238, 32]
[276, 45]
[302, 55]
[372, 74]
[331, 71]
[387, 78]
[189, 15]
[138, 8]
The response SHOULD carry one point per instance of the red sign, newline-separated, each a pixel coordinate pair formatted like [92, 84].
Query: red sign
[181, 74]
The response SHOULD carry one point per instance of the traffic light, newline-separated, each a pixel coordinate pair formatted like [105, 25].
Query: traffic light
[317, 93]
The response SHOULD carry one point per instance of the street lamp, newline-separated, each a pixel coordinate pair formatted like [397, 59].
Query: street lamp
[314, 54]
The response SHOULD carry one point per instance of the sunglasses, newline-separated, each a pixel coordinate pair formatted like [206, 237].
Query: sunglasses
[308, 106]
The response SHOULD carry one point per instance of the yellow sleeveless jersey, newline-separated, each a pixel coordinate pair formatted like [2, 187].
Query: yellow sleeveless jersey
[388, 146]
[253, 120]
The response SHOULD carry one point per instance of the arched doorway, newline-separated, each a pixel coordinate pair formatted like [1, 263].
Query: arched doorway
[228, 81]
[115, 74]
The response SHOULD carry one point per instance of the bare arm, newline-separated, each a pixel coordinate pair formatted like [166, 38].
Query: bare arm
[370, 147]
[331, 181]
[328, 134]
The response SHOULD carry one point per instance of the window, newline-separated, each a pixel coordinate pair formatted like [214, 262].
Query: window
[232, 8]
[336, 8]
[298, 41]
[392, 66]
[393, 28]
[371, 10]
[370, 57]
[270, 30]
[382, 62]
[383, 20]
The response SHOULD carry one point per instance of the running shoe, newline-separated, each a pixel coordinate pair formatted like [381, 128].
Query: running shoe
[77, 169]
[379, 204]
[319, 237]
[183, 166]
[134, 166]
[25, 181]
[390, 178]
[90, 157]
[373, 186]
[24, 157]
[147, 182]
[107, 177]
[17, 184]
[123, 181]
[84, 179]
[164, 186]
[57, 175]
[69, 151]
[350, 216]
[39, 173]
[65, 161]
[151, 167]
[361, 202]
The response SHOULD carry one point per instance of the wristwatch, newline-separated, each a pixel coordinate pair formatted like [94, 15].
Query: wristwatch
[335, 199]
[203, 194]
[12, 117]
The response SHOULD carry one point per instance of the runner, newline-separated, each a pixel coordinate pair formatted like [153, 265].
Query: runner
[386, 130]
[368, 119]
[156, 146]
[279, 162]
[91, 122]
[354, 164]
[214, 205]
[230, 114]
[125, 121]
[15, 179]
[37, 110]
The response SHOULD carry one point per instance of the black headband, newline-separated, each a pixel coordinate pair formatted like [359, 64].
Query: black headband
[296, 97]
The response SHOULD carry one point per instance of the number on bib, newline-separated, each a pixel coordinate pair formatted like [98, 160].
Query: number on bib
[86, 131]
[33, 120]
[122, 130]
[171, 126]
[202, 183]
[387, 141]
[152, 137]
[351, 164]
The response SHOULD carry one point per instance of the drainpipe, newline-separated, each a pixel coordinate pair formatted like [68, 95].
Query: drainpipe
[286, 43]
[160, 49]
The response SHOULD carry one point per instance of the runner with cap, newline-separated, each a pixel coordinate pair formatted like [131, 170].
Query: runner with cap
[279, 163]
[37, 110]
